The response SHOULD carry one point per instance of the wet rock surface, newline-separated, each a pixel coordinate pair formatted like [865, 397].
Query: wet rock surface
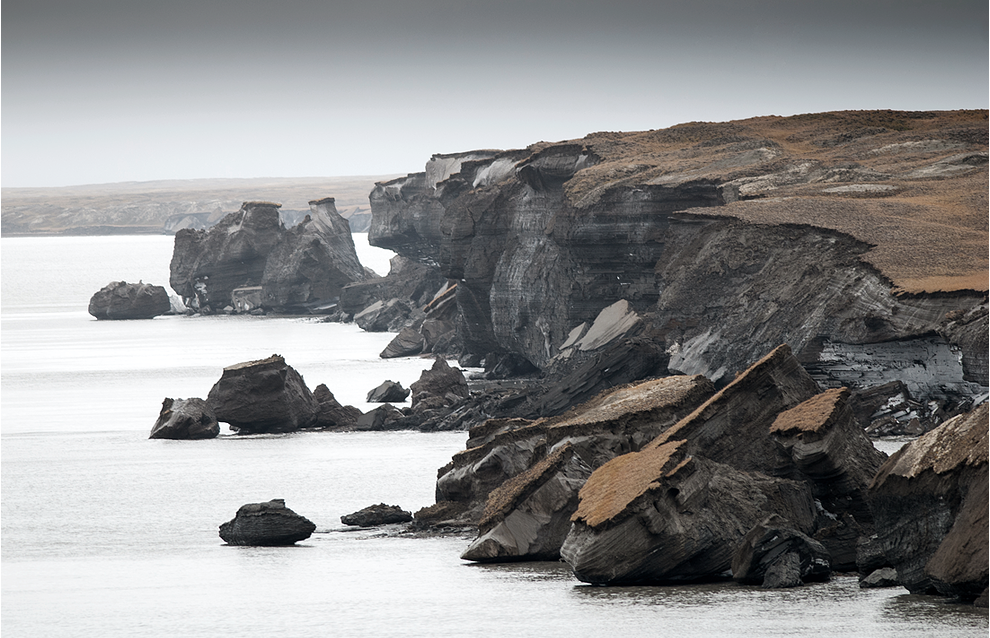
[185, 419]
[774, 556]
[266, 524]
[263, 396]
[121, 300]
[388, 392]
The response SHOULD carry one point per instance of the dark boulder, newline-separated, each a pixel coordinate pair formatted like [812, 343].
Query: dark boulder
[384, 316]
[407, 343]
[929, 501]
[266, 524]
[388, 392]
[332, 415]
[378, 419]
[375, 515]
[121, 300]
[185, 419]
[756, 559]
[262, 396]
[883, 577]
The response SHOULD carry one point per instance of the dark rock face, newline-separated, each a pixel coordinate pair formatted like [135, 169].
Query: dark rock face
[266, 524]
[682, 224]
[185, 419]
[312, 262]
[297, 269]
[332, 415]
[883, 577]
[929, 501]
[121, 300]
[381, 418]
[375, 515]
[263, 396]
[773, 555]
[388, 392]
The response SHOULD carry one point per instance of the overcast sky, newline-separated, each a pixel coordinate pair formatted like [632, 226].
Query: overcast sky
[121, 90]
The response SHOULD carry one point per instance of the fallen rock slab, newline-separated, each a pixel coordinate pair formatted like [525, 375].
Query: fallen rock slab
[185, 419]
[388, 392]
[266, 524]
[774, 555]
[121, 300]
[375, 515]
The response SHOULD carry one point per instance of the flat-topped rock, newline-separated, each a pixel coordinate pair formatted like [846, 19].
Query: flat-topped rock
[121, 300]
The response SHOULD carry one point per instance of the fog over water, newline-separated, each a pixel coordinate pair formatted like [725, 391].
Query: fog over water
[113, 90]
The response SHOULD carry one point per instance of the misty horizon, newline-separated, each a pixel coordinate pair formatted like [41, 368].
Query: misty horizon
[118, 92]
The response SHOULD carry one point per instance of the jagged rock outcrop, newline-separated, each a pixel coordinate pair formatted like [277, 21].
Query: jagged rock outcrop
[439, 386]
[266, 524]
[312, 262]
[375, 515]
[266, 395]
[207, 265]
[727, 239]
[929, 501]
[185, 419]
[121, 300]
[297, 269]
[332, 415]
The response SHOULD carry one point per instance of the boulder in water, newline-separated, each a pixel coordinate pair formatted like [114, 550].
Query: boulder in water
[266, 524]
[185, 419]
[375, 515]
[121, 300]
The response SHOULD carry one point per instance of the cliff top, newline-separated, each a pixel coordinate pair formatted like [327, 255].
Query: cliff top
[812, 415]
[913, 185]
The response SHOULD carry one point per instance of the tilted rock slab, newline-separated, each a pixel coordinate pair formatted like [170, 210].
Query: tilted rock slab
[929, 501]
[262, 396]
[664, 515]
[528, 516]
[615, 422]
[830, 449]
[121, 300]
[266, 524]
[185, 419]
[636, 504]
[758, 558]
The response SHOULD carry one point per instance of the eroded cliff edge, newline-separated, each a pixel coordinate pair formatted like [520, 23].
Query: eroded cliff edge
[858, 238]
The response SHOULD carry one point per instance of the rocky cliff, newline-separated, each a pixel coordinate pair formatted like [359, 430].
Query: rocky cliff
[859, 238]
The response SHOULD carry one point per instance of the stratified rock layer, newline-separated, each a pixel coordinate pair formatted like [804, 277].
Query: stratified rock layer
[121, 300]
[929, 501]
[266, 524]
[375, 515]
[267, 395]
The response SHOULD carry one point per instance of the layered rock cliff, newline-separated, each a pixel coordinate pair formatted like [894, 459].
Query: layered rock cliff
[859, 238]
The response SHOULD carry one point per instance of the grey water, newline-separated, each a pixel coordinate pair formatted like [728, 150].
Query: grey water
[108, 533]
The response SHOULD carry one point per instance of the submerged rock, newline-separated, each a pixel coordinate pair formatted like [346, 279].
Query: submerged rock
[121, 300]
[263, 396]
[375, 515]
[930, 504]
[266, 524]
[185, 419]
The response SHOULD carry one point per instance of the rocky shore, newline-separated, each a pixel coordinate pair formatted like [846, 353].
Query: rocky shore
[686, 335]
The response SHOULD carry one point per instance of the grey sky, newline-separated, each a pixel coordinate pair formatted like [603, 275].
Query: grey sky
[115, 90]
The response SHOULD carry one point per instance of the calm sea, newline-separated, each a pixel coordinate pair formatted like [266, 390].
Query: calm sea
[107, 533]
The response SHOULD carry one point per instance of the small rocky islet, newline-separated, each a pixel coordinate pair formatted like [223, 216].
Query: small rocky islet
[686, 335]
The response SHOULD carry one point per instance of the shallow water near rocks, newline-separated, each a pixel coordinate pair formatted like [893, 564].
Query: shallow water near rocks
[107, 533]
